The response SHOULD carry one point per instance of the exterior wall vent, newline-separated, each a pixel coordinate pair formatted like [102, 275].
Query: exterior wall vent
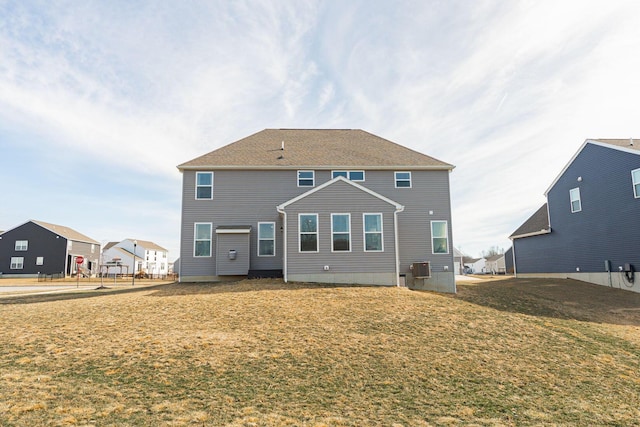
[421, 270]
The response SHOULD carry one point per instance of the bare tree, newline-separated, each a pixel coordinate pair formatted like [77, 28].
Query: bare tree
[493, 250]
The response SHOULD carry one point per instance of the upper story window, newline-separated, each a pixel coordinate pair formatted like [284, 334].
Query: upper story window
[372, 232]
[204, 185]
[351, 175]
[308, 227]
[22, 245]
[635, 177]
[202, 239]
[576, 204]
[403, 179]
[266, 239]
[439, 237]
[306, 178]
[341, 232]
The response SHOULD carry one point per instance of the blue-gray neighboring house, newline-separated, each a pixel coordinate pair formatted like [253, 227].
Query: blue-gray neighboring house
[589, 229]
[41, 248]
[318, 205]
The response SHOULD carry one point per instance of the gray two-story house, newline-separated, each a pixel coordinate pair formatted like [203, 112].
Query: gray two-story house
[318, 205]
[589, 229]
[41, 248]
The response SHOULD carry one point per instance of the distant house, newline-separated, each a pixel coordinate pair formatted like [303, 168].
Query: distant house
[458, 261]
[508, 260]
[38, 247]
[588, 229]
[474, 265]
[150, 258]
[495, 264]
[318, 205]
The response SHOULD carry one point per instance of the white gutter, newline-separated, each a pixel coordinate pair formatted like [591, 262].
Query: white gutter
[280, 209]
[399, 209]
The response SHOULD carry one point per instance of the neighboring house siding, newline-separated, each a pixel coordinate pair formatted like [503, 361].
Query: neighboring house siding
[242, 197]
[91, 257]
[42, 243]
[605, 229]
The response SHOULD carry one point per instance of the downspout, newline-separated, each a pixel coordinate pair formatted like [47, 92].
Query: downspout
[513, 246]
[399, 209]
[284, 242]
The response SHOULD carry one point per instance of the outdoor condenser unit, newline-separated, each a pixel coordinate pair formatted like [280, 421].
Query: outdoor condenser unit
[421, 270]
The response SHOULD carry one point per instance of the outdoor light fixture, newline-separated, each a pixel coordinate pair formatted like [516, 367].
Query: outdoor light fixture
[133, 279]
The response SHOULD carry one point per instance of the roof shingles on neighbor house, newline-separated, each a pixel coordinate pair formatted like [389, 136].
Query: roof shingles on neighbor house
[538, 223]
[314, 148]
[66, 232]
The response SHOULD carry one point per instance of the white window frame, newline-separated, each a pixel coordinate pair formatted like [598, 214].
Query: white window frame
[17, 263]
[22, 245]
[572, 199]
[198, 186]
[300, 232]
[313, 178]
[347, 174]
[635, 180]
[446, 237]
[396, 179]
[333, 232]
[196, 240]
[261, 238]
[365, 232]
[40, 260]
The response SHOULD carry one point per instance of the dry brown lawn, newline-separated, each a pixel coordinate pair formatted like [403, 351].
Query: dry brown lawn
[264, 353]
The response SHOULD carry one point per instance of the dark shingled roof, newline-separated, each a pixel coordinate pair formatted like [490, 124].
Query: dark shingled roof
[538, 223]
[314, 149]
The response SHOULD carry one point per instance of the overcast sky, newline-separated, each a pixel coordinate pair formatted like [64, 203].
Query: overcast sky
[100, 100]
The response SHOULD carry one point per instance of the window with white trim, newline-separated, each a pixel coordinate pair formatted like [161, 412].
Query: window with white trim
[306, 178]
[308, 232]
[372, 225]
[22, 245]
[439, 237]
[202, 239]
[635, 178]
[40, 260]
[17, 263]
[204, 185]
[403, 179]
[350, 175]
[266, 239]
[576, 203]
[340, 232]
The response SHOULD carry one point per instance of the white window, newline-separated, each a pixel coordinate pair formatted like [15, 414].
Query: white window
[341, 232]
[372, 224]
[439, 237]
[308, 232]
[40, 260]
[635, 178]
[351, 175]
[266, 239]
[576, 204]
[22, 245]
[306, 178]
[17, 262]
[204, 185]
[202, 239]
[403, 179]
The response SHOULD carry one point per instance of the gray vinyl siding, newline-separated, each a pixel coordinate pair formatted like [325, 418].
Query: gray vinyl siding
[248, 197]
[340, 197]
[606, 228]
[237, 242]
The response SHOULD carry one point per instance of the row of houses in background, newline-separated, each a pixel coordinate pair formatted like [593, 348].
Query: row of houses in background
[38, 248]
[494, 264]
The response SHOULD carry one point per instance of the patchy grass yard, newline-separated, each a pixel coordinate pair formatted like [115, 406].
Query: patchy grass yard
[260, 353]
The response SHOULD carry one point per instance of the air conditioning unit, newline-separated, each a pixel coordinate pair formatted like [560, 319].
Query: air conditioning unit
[421, 270]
